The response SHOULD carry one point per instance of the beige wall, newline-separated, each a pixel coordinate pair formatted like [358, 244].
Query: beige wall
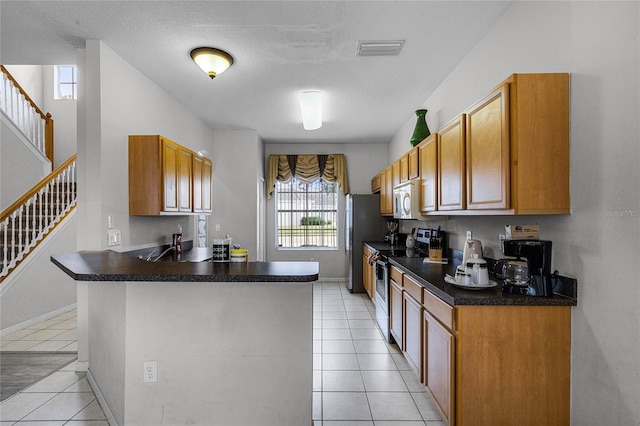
[597, 42]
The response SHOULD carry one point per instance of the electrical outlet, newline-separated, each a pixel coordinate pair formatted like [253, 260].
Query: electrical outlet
[110, 222]
[217, 227]
[468, 235]
[501, 237]
[150, 371]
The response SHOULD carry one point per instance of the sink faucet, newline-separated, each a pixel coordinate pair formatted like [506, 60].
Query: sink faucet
[163, 253]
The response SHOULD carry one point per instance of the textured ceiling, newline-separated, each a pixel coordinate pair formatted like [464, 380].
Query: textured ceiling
[279, 49]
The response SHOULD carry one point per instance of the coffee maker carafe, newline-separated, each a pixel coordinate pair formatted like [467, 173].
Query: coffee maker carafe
[538, 256]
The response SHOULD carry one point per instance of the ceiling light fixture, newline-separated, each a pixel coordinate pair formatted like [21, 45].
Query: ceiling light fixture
[311, 107]
[212, 61]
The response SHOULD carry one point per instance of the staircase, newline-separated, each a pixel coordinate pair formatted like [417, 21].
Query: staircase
[25, 223]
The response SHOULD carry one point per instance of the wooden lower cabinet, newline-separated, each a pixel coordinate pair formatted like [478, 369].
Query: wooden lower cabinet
[499, 365]
[513, 365]
[439, 364]
[368, 273]
[412, 322]
[395, 312]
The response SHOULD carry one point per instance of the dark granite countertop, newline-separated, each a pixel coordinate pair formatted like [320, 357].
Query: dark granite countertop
[108, 265]
[431, 276]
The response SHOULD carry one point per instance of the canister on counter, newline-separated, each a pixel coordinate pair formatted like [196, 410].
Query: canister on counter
[221, 250]
[240, 255]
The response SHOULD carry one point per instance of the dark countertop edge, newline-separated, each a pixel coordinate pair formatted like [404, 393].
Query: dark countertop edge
[109, 265]
[493, 297]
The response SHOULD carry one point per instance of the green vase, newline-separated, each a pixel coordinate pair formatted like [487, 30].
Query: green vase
[422, 130]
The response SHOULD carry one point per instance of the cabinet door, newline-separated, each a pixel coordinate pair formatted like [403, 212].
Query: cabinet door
[439, 357]
[395, 312]
[375, 183]
[451, 170]
[428, 174]
[404, 168]
[386, 191]
[207, 173]
[396, 174]
[487, 152]
[202, 169]
[412, 347]
[185, 175]
[197, 184]
[414, 163]
[170, 184]
[366, 274]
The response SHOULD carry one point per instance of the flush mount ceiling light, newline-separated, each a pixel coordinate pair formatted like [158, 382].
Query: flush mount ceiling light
[212, 61]
[311, 107]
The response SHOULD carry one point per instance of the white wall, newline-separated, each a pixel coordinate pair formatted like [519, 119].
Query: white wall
[116, 100]
[21, 165]
[363, 162]
[237, 166]
[37, 289]
[597, 42]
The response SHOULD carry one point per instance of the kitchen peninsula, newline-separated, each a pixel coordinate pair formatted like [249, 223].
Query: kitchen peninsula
[228, 343]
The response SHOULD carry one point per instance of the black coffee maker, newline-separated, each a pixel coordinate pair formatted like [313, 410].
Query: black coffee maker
[538, 256]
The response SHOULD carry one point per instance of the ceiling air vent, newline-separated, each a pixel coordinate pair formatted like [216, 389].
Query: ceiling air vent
[380, 48]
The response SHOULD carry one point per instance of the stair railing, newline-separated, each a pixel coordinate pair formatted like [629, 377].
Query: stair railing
[25, 223]
[36, 126]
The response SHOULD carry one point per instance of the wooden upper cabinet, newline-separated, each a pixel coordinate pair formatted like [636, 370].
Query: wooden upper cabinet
[161, 177]
[396, 174]
[169, 172]
[202, 171]
[518, 146]
[487, 151]
[451, 165]
[185, 179]
[414, 163]
[375, 183]
[428, 174]
[404, 168]
[386, 191]
[539, 142]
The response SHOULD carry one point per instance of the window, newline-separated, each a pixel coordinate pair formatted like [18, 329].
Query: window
[66, 82]
[307, 214]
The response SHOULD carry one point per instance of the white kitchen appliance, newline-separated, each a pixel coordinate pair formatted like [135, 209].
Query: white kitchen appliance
[406, 200]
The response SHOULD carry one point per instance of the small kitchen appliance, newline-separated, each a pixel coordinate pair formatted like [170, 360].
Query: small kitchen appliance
[512, 271]
[538, 256]
[392, 236]
[406, 200]
[471, 247]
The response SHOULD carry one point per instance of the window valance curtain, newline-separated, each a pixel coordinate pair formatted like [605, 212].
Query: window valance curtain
[307, 168]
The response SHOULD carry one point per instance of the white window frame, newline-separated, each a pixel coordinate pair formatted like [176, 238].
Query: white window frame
[57, 83]
[328, 214]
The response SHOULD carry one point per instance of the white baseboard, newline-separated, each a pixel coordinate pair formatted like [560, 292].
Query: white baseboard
[103, 402]
[36, 320]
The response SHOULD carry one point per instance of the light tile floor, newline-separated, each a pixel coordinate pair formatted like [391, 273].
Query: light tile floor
[358, 379]
[62, 398]
[55, 334]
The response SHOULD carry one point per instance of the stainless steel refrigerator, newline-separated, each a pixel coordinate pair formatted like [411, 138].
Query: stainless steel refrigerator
[363, 222]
